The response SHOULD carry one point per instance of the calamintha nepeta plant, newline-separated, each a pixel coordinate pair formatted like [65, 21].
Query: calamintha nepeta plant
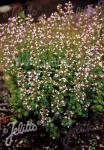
[57, 64]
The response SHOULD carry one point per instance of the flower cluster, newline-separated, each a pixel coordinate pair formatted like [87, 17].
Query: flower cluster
[57, 62]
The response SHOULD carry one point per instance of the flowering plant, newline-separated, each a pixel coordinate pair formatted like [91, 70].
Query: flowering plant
[55, 65]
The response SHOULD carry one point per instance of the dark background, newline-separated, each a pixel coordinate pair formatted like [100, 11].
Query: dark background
[47, 6]
[76, 3]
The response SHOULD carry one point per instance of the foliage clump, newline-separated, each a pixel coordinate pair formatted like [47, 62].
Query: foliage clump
[56, 65]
